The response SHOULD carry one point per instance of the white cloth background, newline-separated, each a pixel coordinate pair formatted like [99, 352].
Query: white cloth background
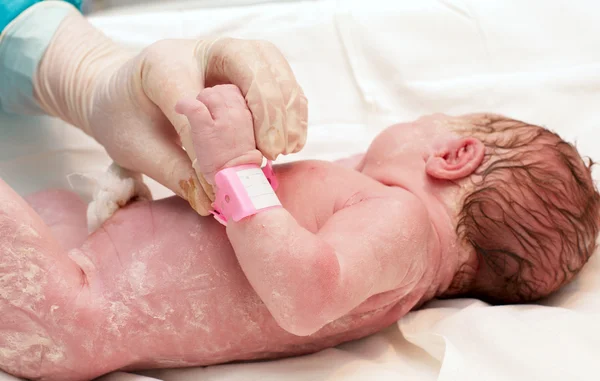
[364, 65]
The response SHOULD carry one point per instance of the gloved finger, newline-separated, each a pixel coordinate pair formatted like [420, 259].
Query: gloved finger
[297, 121]
[169, 164]
[240, 63]
[296, 104]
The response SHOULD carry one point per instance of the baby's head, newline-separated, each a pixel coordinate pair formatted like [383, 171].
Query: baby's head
[518, 200]
[530, 211]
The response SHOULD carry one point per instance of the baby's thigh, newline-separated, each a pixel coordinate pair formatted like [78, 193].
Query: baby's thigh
[64, 213]
[41, 291]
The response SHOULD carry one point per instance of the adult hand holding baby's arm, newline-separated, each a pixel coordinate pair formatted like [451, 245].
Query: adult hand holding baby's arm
[125, 100]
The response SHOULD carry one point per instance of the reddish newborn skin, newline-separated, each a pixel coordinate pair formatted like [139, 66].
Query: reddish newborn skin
[355, 247]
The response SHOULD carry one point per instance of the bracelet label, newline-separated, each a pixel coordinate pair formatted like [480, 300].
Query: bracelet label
[259, 190]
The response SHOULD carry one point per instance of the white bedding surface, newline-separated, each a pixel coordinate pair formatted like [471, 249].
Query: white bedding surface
[363, 65]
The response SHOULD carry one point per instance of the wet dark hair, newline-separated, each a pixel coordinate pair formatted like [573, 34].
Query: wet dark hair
[532, 216]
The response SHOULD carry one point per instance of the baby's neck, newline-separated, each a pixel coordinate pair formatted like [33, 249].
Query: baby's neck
[440, 201]
[443, 220]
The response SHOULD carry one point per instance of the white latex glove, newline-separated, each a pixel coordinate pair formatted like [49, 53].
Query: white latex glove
[127, 102]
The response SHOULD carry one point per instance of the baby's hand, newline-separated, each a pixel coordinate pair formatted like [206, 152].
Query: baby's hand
[222, 130]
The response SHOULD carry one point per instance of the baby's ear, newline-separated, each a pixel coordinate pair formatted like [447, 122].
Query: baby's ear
[455, 158]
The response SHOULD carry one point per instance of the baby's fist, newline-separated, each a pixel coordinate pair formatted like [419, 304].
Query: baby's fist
[222, 130]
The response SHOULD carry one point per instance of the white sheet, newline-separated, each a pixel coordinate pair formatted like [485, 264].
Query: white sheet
[365, 64]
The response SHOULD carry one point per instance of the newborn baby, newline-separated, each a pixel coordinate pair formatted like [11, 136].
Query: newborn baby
[479, 205]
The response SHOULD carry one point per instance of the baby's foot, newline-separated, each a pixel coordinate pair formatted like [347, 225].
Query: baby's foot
[113, 190]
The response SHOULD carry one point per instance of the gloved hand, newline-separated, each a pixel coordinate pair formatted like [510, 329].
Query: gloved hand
[127, 102]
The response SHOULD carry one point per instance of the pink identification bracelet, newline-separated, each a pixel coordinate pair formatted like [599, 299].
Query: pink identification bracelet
[243, 191]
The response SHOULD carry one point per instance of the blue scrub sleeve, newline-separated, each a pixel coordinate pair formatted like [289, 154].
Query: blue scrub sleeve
[10, 9]
[23, 42]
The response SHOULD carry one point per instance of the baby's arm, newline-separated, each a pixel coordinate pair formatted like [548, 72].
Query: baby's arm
[307, 280]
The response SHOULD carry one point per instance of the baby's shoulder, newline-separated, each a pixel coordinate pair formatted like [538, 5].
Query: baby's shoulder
[315, 190]
[320, 178]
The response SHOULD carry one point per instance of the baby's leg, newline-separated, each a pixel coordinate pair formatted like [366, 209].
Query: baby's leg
[43, 296]
[65, 215]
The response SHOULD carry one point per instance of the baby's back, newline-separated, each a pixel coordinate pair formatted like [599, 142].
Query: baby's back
[168, 290]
